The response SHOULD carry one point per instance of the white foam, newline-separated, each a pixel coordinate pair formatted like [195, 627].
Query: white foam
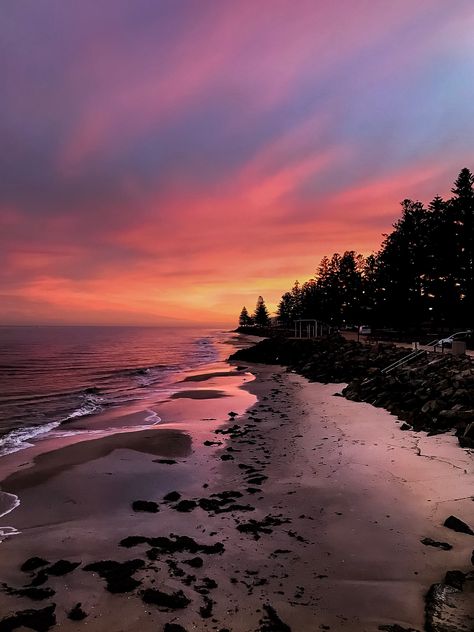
[19, 439]
[92, 404]
[152, 418]
[11, 501]
[8, 504]
[6, 532]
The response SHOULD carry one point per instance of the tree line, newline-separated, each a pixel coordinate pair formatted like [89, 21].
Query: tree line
[421, 277]
[260, 316]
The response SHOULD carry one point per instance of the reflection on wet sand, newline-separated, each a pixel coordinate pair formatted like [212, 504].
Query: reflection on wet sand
[158, 442]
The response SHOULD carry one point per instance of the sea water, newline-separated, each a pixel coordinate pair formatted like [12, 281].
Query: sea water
[52, 374]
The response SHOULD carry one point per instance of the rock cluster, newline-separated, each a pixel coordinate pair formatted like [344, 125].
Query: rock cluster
[434, 393]
[331, 359]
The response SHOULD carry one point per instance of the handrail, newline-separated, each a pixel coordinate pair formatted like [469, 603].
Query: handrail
[393, 364]
[411, 356]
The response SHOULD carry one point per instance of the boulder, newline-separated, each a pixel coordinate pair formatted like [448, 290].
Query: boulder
[458, 525]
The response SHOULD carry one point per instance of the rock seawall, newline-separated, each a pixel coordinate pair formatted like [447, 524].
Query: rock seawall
[434, 393]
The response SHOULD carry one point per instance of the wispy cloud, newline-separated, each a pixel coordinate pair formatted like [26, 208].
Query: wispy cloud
[166, 160]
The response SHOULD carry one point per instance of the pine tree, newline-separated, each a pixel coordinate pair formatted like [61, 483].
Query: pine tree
[261, 316]
[291, 305]
[245, 319]
[463, 204]
[285, 309]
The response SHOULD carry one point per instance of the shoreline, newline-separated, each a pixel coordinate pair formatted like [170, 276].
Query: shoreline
[326, 531]
[430, 392]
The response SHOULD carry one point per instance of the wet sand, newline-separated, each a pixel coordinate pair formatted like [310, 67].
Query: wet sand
[166, 443]
[204, 377]
[199, 394]
[319, 503]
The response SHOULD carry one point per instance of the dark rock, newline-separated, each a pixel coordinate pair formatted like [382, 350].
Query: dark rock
[440, 545]
[277, 552]
[466, 437]
[61, 567]
[172, 497]
[39, 620]
[209, 583]
[174, 544]
[455, 579]
[272, 622]
[194, 562]
[33, 563]
[133, 540]
[174, 569]
[257, 480]
[256, 527]
[168, 601]
[145, 505]
[227, 496]
[189, 579]
[77, 613]
[40, 578]
[165, 461]
[206, 610]
[37, 594]
[221, 505]
[185, 505]
[458, 525]
[173, 627]
[441, 610]
[118, 575]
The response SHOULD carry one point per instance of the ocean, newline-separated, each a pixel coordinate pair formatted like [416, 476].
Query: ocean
[50, 375]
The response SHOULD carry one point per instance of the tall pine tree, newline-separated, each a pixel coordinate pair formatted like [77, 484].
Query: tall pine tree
[261, 316]
[463, 204]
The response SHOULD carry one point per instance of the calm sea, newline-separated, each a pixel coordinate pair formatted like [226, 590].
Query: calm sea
[49, 375]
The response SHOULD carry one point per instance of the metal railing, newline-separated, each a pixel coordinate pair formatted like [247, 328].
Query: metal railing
[413, 355]
[408, 358]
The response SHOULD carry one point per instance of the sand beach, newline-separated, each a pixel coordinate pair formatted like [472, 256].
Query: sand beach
[300, 511]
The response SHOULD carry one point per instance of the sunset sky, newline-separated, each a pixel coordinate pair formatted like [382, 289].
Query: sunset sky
[174, 159]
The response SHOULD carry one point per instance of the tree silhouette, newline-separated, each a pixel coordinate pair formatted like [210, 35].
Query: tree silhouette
[245, 319]
[261, 316]
[290, 306]
[463, 205]
[422, 276]
[284, 309]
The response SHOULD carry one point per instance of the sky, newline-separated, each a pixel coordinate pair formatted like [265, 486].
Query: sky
[167, 161]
